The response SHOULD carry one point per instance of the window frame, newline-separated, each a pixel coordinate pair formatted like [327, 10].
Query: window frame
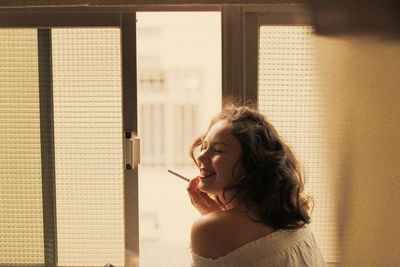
[239, 25]
[45, 18]
[240, 72]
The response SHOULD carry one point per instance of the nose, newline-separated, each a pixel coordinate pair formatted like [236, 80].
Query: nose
[203, 156]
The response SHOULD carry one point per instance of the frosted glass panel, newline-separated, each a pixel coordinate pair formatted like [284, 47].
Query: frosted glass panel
[88, 146]
[289, 95]
[21, 223]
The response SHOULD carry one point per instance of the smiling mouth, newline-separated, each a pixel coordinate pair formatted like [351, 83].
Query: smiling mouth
[206, 174]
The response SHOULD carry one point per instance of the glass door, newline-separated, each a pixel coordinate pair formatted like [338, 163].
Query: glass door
[68, 192]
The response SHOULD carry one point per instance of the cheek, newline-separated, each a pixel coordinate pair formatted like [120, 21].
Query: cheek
[219, 163]
[224, 166]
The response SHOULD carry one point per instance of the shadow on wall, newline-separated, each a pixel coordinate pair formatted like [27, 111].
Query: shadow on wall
[359, 53]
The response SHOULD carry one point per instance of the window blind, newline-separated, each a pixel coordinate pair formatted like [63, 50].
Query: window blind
[88, 146]
[21, 213]
[288, 94]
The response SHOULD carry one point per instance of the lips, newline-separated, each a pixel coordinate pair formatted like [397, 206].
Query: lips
[205, 173]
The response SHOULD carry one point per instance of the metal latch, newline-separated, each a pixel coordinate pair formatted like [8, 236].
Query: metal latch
[132, 151]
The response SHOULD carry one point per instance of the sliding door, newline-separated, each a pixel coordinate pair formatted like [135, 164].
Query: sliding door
[68, 184]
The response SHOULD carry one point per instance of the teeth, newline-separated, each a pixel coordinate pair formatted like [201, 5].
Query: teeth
[206, 173]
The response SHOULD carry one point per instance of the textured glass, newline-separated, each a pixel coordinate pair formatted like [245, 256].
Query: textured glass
[289, 95]
[88, 146]
[21, 213]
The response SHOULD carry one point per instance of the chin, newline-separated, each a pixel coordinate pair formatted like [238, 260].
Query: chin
[208, 189]
[203, 188]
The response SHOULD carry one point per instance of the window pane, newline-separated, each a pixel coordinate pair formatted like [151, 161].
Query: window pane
[21, 213]
[288, 94]
[88, 146]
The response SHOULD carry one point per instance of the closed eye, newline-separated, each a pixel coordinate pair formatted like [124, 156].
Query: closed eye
[203, 147]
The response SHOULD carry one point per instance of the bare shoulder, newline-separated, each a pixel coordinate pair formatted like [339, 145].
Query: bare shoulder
[216, 234]
[210, 235]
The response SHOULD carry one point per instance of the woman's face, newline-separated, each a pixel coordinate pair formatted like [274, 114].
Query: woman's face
[220, 153]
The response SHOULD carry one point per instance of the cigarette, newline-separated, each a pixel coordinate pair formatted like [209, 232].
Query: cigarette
[180, 176]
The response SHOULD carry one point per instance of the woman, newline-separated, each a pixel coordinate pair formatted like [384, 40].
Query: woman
[249, 192]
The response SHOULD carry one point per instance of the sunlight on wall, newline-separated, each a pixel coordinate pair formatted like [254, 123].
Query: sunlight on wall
[360, 81]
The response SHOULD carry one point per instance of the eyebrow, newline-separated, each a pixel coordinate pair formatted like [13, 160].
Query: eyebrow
[215, 143]
[220, 143]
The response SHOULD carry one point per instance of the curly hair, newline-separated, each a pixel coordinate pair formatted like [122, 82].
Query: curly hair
[271, 179]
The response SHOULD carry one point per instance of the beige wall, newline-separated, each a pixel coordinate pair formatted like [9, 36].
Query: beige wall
[361, 82]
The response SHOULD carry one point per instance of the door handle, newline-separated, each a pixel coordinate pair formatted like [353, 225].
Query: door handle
[132, 151]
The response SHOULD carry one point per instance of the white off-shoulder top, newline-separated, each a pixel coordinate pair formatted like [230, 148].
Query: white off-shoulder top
[282, 248]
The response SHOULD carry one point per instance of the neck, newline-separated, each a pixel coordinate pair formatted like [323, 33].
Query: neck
[236, 205]
[230, 200]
